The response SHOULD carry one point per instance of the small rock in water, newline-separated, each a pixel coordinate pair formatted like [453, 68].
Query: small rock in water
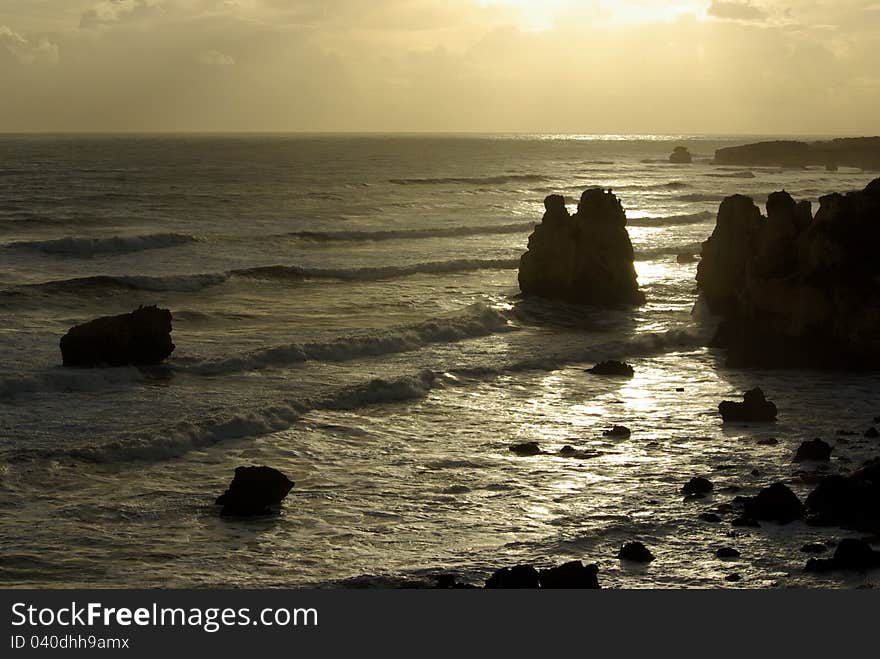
[851, 501]
[776, 503]
[519, 576]
[754, 408]
[572, 452]
[710, 517]
[679, 389]
[851, 554]
[525, 449]
[814, 450]
[697, 486]
[611, 367]
[619, 432]
[254, 491]
[727, 552]
[636, 552]
[733, 577]
[814, 548]
[139, 338]
[573, 574]
[768, 441]
[681, 156]
[872, 433]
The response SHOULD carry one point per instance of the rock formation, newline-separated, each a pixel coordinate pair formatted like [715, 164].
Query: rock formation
[141, 337]
[681, 156]
[851, 501]
[776, 503]
[755, 408]
[612, 368]
[254, 491]
[862, 152]
[585, 258]
[796, 290]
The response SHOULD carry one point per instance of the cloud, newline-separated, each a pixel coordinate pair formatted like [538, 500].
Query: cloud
[108, 12]
[215, 58]
[27, 51]
[735, 10]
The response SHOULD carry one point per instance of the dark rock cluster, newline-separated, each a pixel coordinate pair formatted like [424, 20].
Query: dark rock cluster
[796, 290]
[573, 574]
[585, 258]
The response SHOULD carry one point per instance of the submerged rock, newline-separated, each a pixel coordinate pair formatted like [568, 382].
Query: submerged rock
[636, 552]
[518, 576]
[815, 450]
[618, 432]
[585, 258]
[572, 452]
[727, 552]
[613, 368]
[796, 290]
[851, 501]
[573, 574]
[681, 156]
[139, 338]
[525, 449]
[754, 408]
[776, 503]
[254, 491]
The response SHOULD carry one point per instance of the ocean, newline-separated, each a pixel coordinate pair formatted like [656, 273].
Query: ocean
[346, 310]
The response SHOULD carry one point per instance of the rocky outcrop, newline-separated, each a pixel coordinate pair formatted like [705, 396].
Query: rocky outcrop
[139, 338]
[851, 554]
[254, 491]
[697, 486]
[585, 258]
[681, 156]
[635, 552]
[863, 152]
[851, 501]
[525, 449]
[814, 450]
[573, 574]
[795, 290]
[755, 408]
[776, 503]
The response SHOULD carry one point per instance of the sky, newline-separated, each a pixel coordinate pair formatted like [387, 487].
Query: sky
[557, 66]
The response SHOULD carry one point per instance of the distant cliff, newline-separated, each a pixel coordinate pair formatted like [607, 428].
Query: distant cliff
[862, 152]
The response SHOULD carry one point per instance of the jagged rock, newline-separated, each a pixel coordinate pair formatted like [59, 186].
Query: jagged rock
[813, 449]
[697, 486]
[254, 491]
[139, 338]
[618, 432]
[727, 552]
[851, 501]
[570, 575]
[519, 576]
[795, 290]
[525, 449]
[776, 503]
[850, 554]
[636, 552]
[613, 368]
[681, 156]
[754, 408]
[586, 258]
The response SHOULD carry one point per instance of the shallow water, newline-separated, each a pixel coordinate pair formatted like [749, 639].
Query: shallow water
[346, 310]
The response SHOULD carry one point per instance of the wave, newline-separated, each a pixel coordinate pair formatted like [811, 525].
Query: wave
[67, 380]
[90, 247]
[476, 321]
[672, 220]
[702, 196]
[411, 234]
[669, 250]
[467, 180]
[742, 174]
[376, 273]
[102, 284]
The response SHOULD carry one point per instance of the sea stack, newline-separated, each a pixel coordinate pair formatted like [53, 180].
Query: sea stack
[795, 290]
[139, 338]
[681, 156]
[585, 258]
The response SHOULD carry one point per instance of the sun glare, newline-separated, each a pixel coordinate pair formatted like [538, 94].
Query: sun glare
[536, 15]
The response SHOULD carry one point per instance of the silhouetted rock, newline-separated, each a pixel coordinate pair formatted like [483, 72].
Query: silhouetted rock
[618, 432]
[570, 575]
[814, 548]
[254, 491]
[733, 578]
[572, 452]
[754, 408]
[697, 486]
[813, 449]
[586, 258]
[519, 576]
[681, 156]
[851, 501]
[636, 552]
[862, 152]
[712, 518]
[727, 552]
[872, 433]
[850, 554]
[776, 503]
[796, 290]
[526, 449]
[139, 338]
[613, 368]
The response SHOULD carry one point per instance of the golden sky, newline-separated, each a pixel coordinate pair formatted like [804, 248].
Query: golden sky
[583, 66]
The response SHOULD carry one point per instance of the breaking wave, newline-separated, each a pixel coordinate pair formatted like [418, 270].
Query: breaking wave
[81, 247]
[468, 180]
[412, 234]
